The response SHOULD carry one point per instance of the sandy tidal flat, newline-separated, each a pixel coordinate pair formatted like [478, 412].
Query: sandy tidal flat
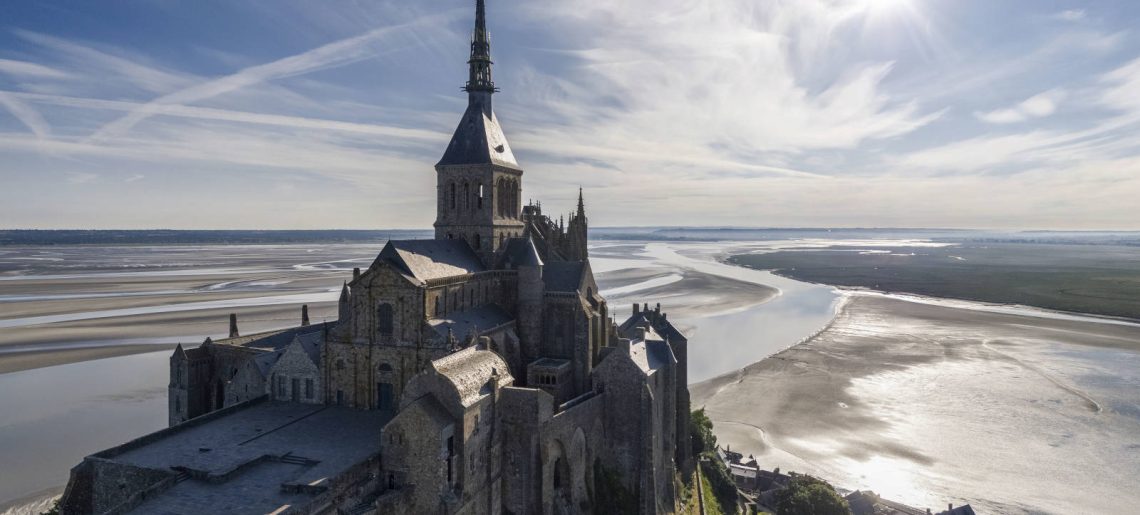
[928, 404]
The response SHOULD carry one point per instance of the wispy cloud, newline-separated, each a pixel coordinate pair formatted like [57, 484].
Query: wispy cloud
[1037, 106]
[787, 112]
[337, 53]
[25, 114]
[105, 66]
[1071, 15]
[26, 69]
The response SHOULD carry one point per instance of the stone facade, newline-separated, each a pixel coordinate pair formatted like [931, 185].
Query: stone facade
[488, 353]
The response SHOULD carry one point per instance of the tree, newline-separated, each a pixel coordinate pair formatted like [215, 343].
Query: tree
[703, 438]
[806, 495]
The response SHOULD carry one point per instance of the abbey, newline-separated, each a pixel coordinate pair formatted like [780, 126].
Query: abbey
[479, 372]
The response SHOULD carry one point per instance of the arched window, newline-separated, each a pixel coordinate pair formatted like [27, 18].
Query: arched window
[453, 195]
[500, 197]
[466, 196]
[479, 202]
[478, 243]
[384, 319]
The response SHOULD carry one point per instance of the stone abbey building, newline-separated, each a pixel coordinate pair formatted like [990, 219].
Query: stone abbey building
[479, 372]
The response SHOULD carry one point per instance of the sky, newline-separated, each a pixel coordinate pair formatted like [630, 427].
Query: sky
[294, 114]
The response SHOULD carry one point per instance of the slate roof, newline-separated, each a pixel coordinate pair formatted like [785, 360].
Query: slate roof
[470, 371]
[665, 328]
[563, 276]
[431, 259]
[520, 252]
[479, 140]
[461, 323]
[311, 343]
[275, 340]
[265, 361]
[651, 355]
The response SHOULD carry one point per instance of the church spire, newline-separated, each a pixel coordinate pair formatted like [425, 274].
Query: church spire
[581, 205]
[479, 80]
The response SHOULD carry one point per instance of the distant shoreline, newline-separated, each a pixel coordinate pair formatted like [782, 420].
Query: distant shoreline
[1101, 281]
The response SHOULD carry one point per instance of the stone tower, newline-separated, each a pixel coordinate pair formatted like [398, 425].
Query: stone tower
[531, 291]
[479, 182]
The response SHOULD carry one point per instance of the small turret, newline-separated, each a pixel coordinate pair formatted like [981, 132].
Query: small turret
[344, 311]
[233, 326]
[304, 315]
[531, 291]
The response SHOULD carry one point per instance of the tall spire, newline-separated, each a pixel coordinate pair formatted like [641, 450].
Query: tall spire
[581, 205]
[479, 80]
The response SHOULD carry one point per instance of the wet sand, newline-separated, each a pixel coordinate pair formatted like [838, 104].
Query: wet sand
[70, 304]
[929, 404]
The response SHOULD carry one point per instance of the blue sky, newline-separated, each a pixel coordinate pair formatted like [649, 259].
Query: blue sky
[835, 113]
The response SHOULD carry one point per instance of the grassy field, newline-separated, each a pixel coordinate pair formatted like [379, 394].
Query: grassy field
[1097, 279]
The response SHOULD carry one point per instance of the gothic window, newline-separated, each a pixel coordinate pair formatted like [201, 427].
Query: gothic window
[479, 201]
[340, 364]
[453, 196]
[466, 196]
[308, 388]
[471, 297]
[384, 319]
[438, 307]
[478, 242]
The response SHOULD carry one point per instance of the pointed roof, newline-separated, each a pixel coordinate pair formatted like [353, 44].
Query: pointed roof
[479, 139]
[479, 78]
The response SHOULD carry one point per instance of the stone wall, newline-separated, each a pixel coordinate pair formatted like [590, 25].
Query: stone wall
[295, 377]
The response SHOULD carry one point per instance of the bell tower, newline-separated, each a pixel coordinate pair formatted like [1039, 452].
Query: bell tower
[478, 180]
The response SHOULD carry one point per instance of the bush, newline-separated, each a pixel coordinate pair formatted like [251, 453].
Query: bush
[807, 495]
[704, 441]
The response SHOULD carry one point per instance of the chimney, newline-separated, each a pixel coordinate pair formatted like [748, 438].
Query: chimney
[355, 273]
[304, 315]
[233, 326]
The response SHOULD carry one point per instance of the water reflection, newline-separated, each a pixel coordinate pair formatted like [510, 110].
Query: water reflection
[52, 417]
